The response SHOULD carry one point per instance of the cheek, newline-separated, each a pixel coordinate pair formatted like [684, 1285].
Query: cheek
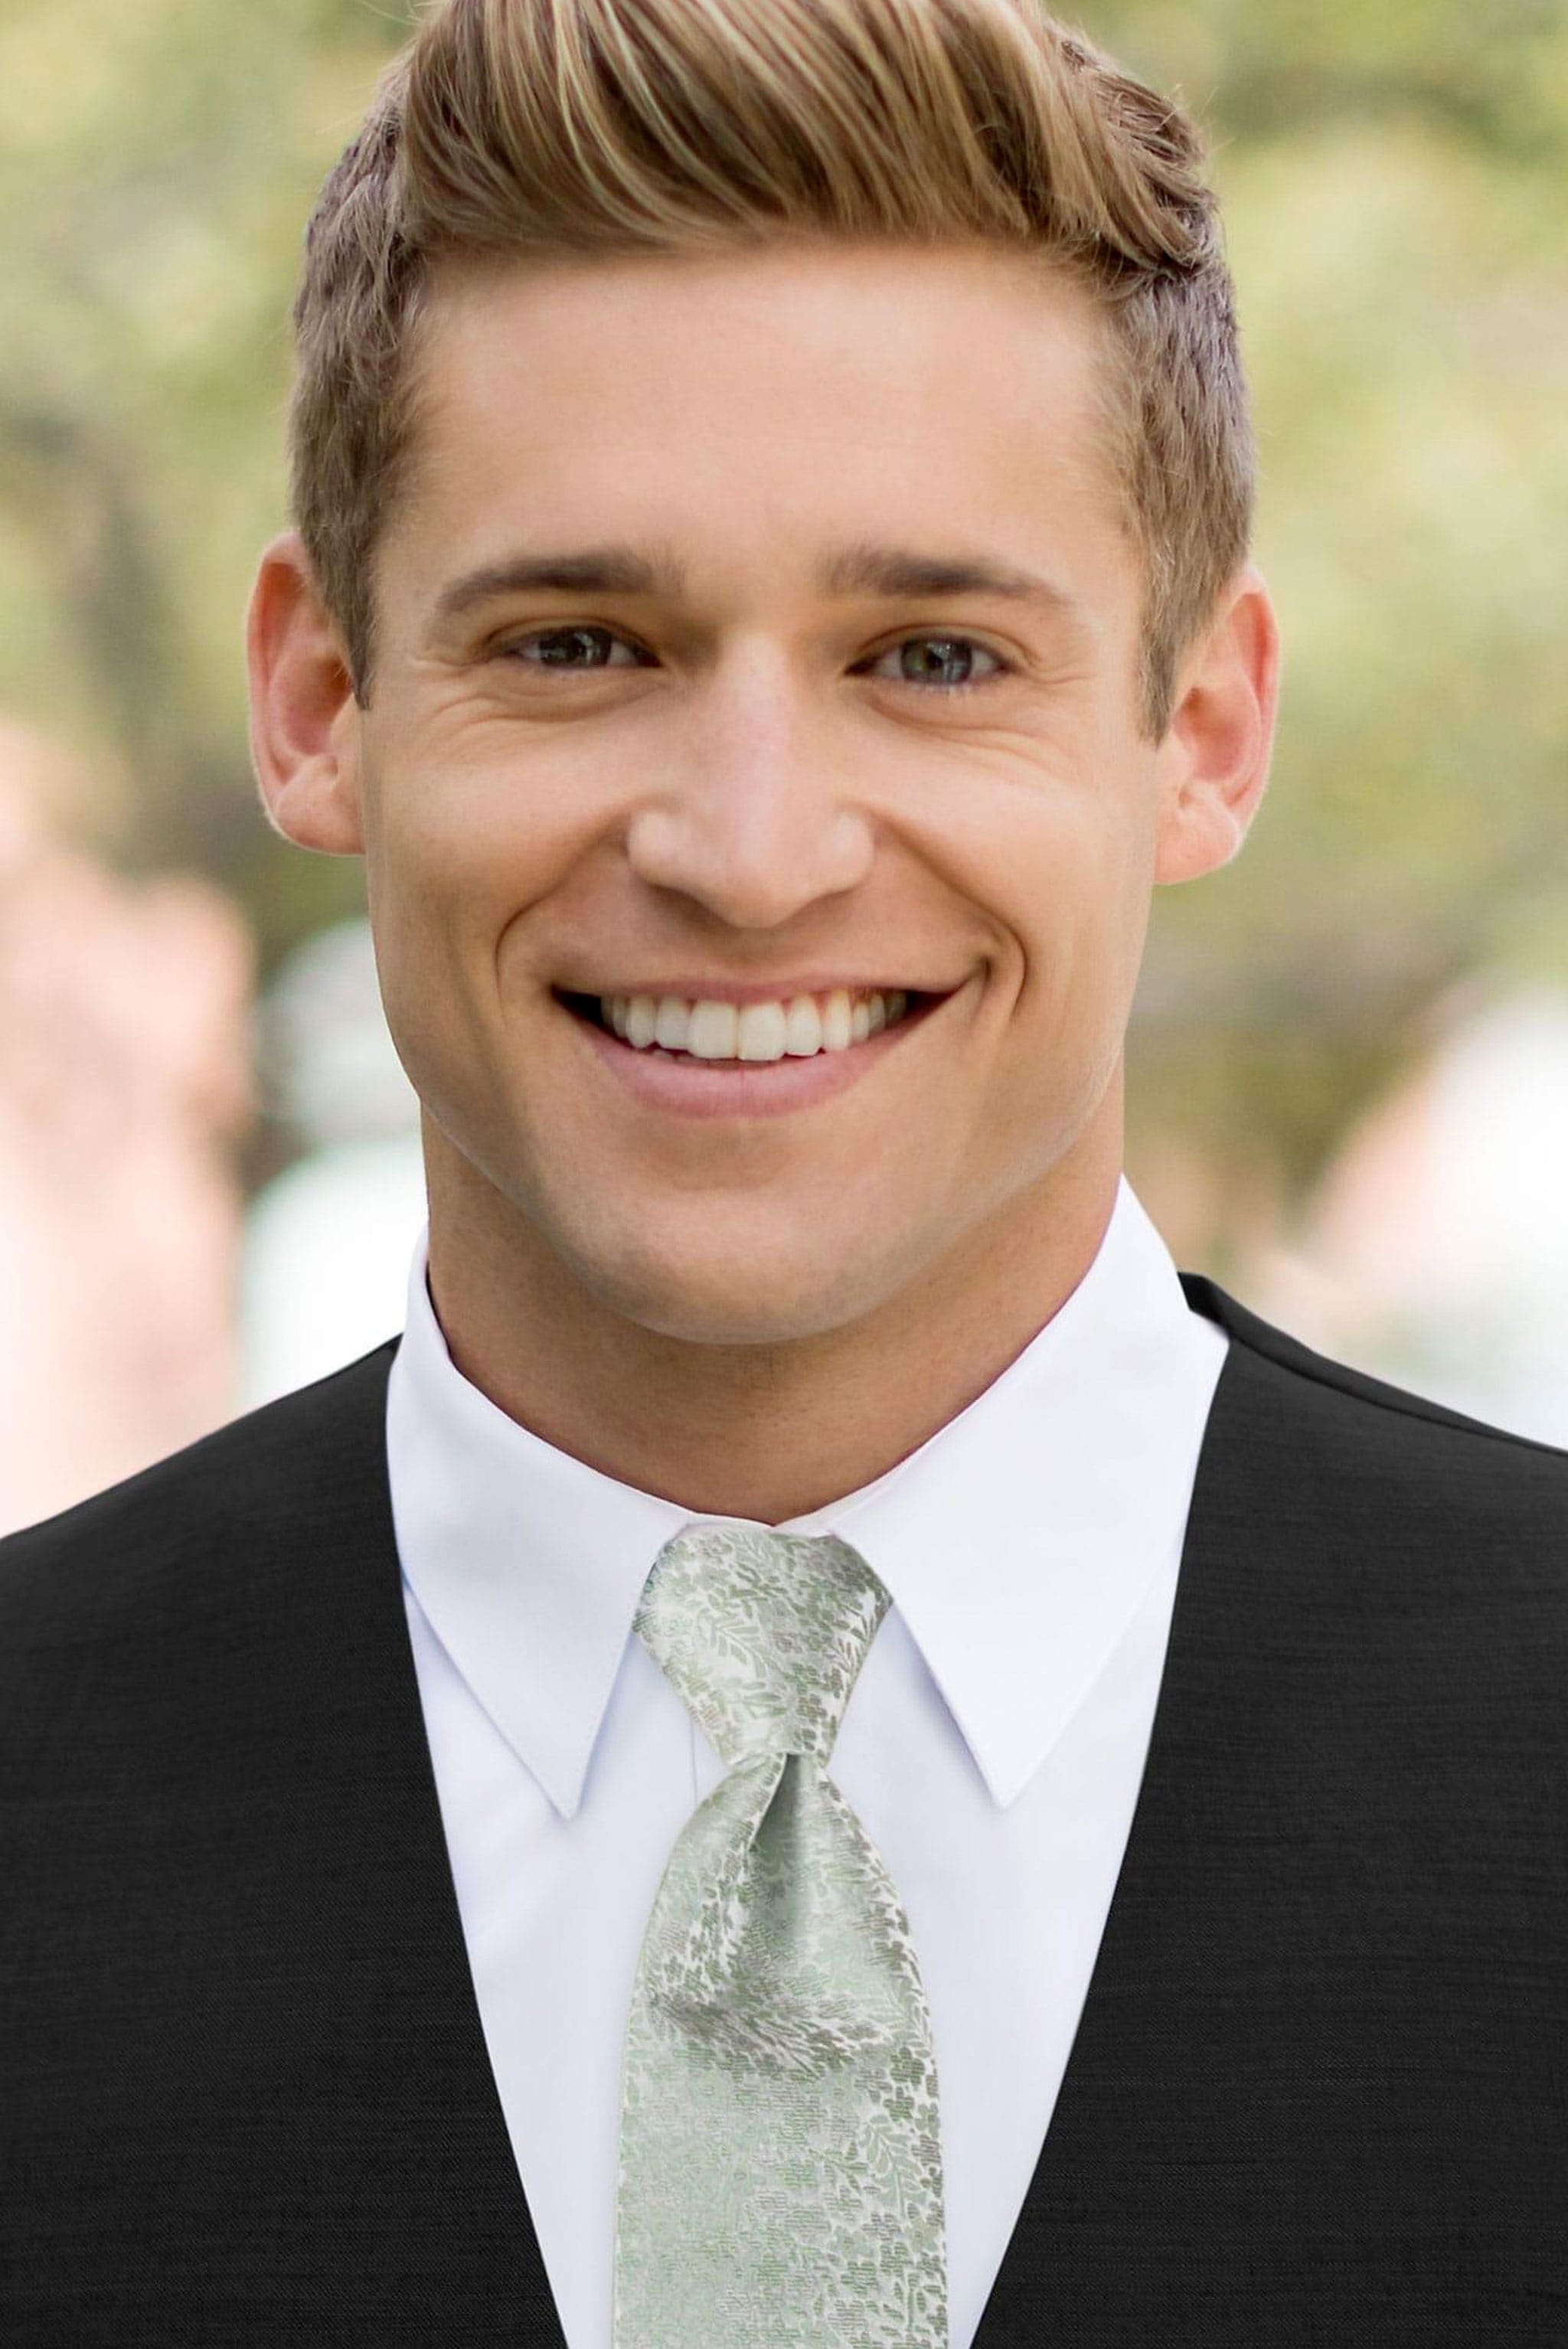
[459, 850]
[1064, 866]
[437, 908]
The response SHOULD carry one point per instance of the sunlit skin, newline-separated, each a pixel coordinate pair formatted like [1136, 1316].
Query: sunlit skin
[744, 776]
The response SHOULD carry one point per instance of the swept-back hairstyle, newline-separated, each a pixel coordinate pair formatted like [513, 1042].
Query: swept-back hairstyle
[536, 128]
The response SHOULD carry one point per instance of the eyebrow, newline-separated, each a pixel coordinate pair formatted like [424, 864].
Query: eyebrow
[861, 569]
[899, 571]
[595, 570]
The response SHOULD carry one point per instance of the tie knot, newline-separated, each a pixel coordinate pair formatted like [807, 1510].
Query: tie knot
[761, 1634]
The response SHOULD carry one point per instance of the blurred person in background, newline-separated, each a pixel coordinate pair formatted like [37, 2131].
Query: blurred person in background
[770, 598]
[124, 1087]
[1437, 1242]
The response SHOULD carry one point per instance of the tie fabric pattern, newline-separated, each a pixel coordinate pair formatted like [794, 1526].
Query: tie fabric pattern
[781, 2163]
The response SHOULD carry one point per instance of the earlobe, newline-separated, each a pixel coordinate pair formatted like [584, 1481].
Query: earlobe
[304, 723]
[1214, 759]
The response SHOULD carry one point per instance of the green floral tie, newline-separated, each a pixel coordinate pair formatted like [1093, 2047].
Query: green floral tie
[780, 2173]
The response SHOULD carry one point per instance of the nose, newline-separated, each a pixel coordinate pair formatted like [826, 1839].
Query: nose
[756, 820]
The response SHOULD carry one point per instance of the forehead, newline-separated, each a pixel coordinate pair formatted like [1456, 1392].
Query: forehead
[761, 399]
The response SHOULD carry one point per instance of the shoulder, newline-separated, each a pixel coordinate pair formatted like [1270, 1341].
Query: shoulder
[1374, 1608]
[1344, 1396]
[1422, 1495]
[221, 1516]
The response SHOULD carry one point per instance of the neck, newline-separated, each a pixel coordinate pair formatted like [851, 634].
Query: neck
[762, 1431]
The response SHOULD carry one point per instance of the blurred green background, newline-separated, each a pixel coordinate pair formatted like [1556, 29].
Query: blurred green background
[1393, 180]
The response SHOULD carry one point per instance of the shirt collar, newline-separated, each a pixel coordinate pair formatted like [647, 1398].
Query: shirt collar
[1016, 1542]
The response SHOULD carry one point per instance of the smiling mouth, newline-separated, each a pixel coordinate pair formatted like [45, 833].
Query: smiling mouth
[751, 1035]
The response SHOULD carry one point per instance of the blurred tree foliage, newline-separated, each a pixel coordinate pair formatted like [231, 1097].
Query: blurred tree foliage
[1396, 186]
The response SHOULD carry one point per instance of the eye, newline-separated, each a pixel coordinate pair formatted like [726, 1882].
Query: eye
[572, 648]
[948, 663]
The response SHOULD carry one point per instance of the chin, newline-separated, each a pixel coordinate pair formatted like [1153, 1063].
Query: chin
[733, 1300]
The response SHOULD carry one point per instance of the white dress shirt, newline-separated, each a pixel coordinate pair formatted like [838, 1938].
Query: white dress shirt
[992, 1747]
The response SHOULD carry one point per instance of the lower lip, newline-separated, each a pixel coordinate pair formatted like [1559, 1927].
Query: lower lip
[748, 1088]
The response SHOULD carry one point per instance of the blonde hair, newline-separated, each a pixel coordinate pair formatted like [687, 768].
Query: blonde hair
[612, 127]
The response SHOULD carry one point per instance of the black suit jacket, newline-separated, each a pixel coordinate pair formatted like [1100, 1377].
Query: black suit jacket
[1317, 2094]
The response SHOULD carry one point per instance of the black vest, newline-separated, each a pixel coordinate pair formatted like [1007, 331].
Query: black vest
[1318, 2095]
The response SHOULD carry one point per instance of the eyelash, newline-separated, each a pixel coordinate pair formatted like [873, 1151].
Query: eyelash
[925, 636]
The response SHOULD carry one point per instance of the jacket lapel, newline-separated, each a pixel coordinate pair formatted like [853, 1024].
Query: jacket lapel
[1128, 2117]
[429, 2176]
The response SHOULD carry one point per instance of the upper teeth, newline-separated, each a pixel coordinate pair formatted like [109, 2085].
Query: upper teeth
[711, 1030]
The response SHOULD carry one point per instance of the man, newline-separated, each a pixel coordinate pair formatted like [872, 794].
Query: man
[826, 1751]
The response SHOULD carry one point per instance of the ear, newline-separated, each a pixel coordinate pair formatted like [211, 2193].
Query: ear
[1213, 763]
[305, 721]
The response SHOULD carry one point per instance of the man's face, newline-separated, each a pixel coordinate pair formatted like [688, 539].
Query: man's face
[758, 728]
